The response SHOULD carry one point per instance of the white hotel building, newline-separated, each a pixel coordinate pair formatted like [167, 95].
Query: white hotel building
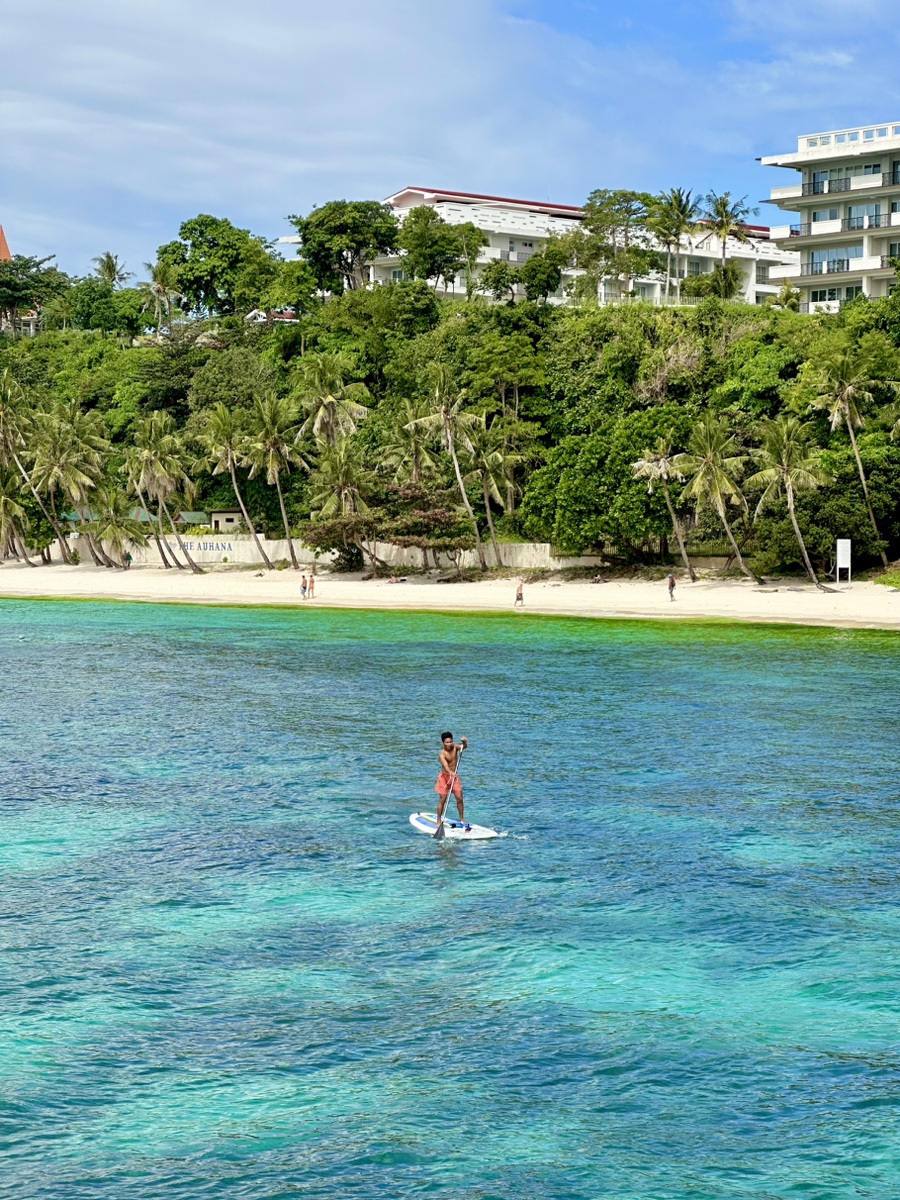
[516, 229]
[848, 198]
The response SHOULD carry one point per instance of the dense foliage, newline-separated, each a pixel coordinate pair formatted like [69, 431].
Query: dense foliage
[353, 415]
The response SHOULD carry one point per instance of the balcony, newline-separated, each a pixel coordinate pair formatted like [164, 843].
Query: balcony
[831, 266]
[889, 180]
[828, 187]
[873, 221]
[801, 230]
[888, 260]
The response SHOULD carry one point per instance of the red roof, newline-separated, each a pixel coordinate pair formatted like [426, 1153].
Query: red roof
[5, 255]
[541, 205]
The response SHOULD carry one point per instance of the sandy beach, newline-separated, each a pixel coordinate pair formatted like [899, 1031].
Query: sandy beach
[854, 605]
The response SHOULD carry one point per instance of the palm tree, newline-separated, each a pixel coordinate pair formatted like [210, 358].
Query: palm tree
[674, 214]
[69, 455]
[335, 407]
[157, 467]
[12, 516]
[789, 464]
[713, 464]
[491, 464]
[271, 447]
[454, 426]
[113, 523]
[726, 218]
[340, 481]
[108, 268]
[657, 466]
[224, 435]
[161, 292]
[407, 452]
[14, 422]
[788, 297]
[845, 384]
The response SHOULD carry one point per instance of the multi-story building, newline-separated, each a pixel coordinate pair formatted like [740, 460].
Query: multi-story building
[848, 199]
[516, 229]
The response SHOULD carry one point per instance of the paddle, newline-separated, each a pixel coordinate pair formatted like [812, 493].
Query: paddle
[439, 834]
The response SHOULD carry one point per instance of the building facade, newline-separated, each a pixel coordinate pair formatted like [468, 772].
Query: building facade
[848, 200]
[517, 229]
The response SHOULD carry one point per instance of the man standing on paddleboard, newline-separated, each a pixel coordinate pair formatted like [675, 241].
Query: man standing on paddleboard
[448, 781]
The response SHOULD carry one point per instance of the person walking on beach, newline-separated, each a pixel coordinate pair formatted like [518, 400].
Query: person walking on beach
[520, 597]
[448, 780]
[671, 582]
[311, 589]
[302, 587]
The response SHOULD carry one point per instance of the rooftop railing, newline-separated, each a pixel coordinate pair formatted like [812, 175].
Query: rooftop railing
[829, 267]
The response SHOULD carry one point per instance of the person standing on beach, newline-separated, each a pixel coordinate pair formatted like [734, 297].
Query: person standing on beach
[448, 780]
[311, 590]
[671, 581]
[520, 597]
[303, 587]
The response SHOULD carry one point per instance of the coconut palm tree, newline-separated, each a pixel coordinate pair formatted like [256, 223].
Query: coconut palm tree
[161, 292]
[447, 419]
[673, 216]
[491, 464]
[340, 482]
[271, 447]
[15, 423]
[407, 452]
[713, 464]
[657, 466]
[113, 524]
[12, 516]
[845, 382]
[224, 435]
[788, 464]
[334, 406]
[108, 268]
[157, 467]
[726, 218]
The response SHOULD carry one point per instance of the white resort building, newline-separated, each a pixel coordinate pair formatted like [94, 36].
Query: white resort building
[516, 229]
[848, 199]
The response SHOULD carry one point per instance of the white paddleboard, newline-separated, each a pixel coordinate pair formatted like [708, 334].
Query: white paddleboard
[464, 832]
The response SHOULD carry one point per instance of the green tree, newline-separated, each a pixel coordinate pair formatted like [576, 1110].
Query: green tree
[158, 468]
[656, 466]
[219, 267]
[224, 436]
[12, 516]
[27, 283]
[431, 246]
[108, 268]
[471, 240]
[161, 292]
[294, 286]
[341, 238]
[334, 405]
[672, 216]
[498, 280]
[272, 447]
[713, 465]
[491, 464]
[406, 451]
[113, 524]
[613, 242]
[726, 218]
[541, 275]
[788, 464]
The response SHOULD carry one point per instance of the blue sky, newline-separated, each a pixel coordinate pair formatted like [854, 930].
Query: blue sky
[121, 119]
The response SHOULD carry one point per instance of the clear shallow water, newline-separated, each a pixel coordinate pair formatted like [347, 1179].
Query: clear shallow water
[230, 968]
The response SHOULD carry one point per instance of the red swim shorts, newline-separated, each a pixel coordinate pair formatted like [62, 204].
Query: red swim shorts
[446, 783]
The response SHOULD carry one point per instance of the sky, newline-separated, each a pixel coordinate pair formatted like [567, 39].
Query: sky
[119, 120]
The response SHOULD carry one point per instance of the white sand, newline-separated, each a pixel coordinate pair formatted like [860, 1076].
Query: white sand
[865, 605]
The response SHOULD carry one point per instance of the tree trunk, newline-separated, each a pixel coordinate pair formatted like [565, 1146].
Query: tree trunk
[22, 551]
[184, 550]
[735, 548]
[676, 527]
[156, 537]
[490, 521]
[243, 507]
[176, 561]
[799, 536]
[468, 506]
[287, 528]
[865, 486]
[61, 537]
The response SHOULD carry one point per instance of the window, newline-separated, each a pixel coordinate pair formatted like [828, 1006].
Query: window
[872, 169]
[695, 266]
[853, 137]
[840, 137]
[512, 245]
[526, 245]
[897, 131]
[762, 272]
[895, 206]
[826, 140]
[398, 275]
[823, 295]
[761, 297]
[869, 135]
[894, 250]
[851, 293]
[825, 214]
[811, 142]
[882, 132]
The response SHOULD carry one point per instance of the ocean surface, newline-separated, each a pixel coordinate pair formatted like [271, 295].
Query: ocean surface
[231, 968]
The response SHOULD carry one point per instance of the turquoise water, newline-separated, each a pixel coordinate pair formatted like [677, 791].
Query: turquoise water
[231, 968]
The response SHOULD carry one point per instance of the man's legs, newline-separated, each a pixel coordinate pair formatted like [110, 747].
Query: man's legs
[442, 804]
[459, 802]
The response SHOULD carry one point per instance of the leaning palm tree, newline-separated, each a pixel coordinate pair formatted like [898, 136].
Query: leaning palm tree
[12, 516]
[340, 486]
[408, 450]
[334, 406]
[845, 382]
[224, 436]
[114, 525]
[447, 419]
[108, 268]
[726, 218]
[161, 292]
[491, 464]
[788, 464]
[657, 466]
[271, 446]
[138, 470]
[158, 466]
[713, 464]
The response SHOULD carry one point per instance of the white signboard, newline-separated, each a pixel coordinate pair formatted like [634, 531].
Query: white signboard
[843, 558]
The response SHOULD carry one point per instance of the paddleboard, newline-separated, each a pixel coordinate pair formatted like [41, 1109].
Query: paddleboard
[427, 823]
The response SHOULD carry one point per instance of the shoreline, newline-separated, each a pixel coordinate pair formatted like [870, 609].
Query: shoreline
[861, 605]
